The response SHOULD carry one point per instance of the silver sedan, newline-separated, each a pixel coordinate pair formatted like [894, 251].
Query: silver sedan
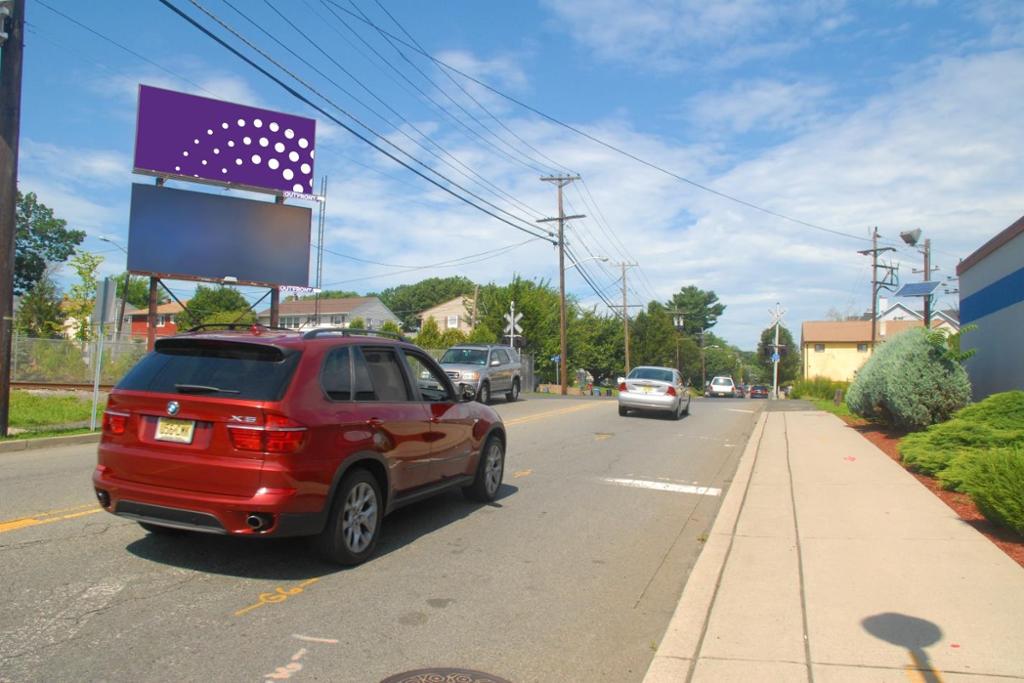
[655, 389]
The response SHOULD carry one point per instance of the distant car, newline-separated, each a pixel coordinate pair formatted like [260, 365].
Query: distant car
[759, 391]
[488, 368]
[740, 392]
[722, 387]
[655, 389]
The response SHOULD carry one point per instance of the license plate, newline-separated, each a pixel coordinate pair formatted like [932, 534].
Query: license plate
[178, 431]
[646, 390]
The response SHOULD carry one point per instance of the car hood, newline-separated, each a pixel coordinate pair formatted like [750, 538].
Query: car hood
[463, 367]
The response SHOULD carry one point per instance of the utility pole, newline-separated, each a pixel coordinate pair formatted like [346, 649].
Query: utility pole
[560, 182]
[703, 367]
[876, 284]
[12, 33]
[927, 271]
[625, 308]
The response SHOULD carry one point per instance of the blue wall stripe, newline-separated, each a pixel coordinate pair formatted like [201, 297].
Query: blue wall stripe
[1004, 292]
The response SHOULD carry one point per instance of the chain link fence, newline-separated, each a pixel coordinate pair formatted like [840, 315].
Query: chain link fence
[68, 361]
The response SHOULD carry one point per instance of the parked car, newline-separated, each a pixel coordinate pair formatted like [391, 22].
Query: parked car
[759, 391]
[489, 368]
[261, 433]
[722, 387]
[656, 389]
[740, 391]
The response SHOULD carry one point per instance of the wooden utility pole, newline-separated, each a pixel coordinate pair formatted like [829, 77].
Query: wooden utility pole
[560, 182]
[927, 277]
[13, 28]
[876, 284]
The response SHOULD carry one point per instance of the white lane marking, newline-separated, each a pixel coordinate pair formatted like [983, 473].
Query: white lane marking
[311, 639]
[739, 410]
[663, 486]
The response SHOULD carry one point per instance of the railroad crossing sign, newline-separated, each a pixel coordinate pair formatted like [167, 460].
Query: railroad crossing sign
[512, 327]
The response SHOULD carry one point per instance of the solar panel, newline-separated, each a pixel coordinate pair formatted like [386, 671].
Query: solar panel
[918, 289]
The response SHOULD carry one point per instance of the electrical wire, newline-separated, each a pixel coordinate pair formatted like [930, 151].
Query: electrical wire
[299, 96]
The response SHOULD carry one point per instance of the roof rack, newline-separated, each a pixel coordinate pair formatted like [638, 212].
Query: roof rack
[351, 332]
[237, 326]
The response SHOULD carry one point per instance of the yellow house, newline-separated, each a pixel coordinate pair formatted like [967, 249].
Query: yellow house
[837, 349]
[456, 314]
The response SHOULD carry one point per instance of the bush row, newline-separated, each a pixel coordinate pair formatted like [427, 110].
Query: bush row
[818, 387]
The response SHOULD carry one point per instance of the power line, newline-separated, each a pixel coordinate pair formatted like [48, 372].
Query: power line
[299, 96]
[119, 45]
[601, 142]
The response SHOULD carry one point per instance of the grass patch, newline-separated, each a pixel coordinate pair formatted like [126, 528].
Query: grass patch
[33, 410]
[827, 405]
[995, 423]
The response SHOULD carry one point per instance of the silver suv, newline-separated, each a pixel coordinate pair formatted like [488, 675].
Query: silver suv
[488, 368]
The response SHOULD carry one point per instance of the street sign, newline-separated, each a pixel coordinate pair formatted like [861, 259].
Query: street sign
[556, 358]
[513, 323]
[775, 357]
[103, 308]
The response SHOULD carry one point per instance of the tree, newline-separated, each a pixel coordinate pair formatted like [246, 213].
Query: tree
[208, 303]
[452, 336]
[40, 239]
[429, 336]
[390, 326]
[82, 295]
[39, 312]
[408, 301]
[482, 334]
[595, 344]
[538, 302]
[653, 337]
[700, 308]
[328, 294]
[789, 363]
[357, 323]
[138, 291]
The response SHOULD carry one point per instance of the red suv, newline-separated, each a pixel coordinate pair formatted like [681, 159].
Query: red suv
[263, 432]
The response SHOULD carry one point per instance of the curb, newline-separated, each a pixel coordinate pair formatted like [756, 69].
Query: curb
[18, 445]
[680, 645]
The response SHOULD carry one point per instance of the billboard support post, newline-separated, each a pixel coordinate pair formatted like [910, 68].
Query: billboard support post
[151, 318]
[275, 306]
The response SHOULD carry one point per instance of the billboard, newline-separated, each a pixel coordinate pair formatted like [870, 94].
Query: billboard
[200, 139]
[197, 235]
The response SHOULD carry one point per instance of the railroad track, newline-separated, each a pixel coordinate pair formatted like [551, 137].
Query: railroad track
[57, 386]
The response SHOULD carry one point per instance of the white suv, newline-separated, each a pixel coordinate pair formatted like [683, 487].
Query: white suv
[721, 386]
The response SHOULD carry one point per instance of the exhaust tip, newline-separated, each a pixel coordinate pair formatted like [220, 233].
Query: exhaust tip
[259, 521]
[103, 497]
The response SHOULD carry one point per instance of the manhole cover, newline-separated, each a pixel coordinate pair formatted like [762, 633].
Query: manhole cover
[444, 675]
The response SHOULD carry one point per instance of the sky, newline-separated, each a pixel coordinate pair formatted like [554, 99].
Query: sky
[772, 135]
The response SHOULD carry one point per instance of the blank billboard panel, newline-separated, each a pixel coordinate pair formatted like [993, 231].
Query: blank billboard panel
[194, 235]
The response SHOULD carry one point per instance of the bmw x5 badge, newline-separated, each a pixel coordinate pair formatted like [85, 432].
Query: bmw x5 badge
[172, 407]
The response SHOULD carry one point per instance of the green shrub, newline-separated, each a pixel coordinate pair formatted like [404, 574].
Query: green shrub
[818, 387]
[996, 422]
[995, 481]
[909, 383]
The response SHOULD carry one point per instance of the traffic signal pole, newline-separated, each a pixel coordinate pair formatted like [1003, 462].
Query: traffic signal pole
[13, 25]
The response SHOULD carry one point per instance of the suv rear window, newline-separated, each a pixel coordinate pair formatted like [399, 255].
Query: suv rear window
[255, 372]
[722, 380]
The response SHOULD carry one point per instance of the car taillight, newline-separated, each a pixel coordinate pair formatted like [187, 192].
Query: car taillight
[622, 387]
[283, 434]
[246, 438]
[671, 391]
[278, 434]
[114, 423]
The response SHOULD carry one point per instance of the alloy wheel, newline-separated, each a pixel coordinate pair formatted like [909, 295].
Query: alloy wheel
[359, 523]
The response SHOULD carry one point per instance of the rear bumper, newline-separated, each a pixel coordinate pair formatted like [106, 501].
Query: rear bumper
[204, 512]
[637, 401]
[721, 394]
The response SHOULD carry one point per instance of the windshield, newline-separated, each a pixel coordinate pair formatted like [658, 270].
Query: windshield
[465, 356]
[651, 373]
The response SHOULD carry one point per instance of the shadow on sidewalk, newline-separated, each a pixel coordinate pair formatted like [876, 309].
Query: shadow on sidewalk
[910, 633]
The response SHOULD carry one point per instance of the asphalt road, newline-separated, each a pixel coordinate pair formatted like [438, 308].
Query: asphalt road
[572, 575]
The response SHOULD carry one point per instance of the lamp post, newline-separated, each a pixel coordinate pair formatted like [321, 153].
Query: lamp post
[911, 237]
[124, 287]
[677, 322]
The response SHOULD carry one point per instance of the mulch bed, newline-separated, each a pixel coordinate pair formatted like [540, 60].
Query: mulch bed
[888, 442]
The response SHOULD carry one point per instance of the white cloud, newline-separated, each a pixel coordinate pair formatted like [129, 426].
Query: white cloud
[670, 34]
[762, 104]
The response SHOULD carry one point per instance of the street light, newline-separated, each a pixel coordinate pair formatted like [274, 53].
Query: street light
[124, 285]
[584, 260]
[911, 237]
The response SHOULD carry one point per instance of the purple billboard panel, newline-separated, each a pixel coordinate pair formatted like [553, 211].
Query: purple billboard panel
[205, 236]
[196, 138]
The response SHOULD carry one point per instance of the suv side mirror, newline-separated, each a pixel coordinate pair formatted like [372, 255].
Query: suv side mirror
[467, 393]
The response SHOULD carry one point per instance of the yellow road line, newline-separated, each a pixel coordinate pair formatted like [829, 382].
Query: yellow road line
[279, 594]
[48, 518]
[522, 473]
[552, 413]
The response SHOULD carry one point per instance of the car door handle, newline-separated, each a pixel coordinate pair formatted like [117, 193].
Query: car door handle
[374, 422]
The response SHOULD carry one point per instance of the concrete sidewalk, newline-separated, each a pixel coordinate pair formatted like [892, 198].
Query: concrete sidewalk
[829, 562]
